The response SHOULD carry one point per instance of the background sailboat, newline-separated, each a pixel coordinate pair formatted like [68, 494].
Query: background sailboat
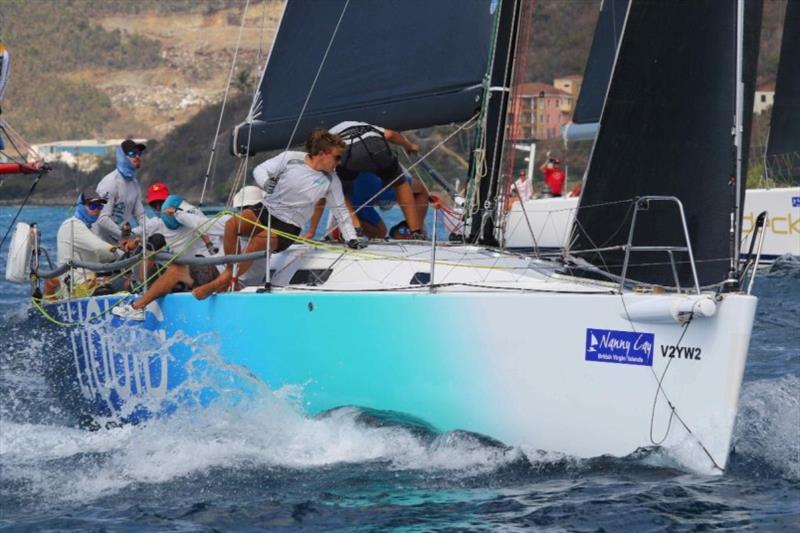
[550, 219]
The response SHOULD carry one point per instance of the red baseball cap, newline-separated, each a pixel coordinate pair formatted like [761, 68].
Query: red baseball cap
[157, 192]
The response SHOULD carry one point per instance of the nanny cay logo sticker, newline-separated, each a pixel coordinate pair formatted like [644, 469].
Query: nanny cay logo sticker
[623, 347]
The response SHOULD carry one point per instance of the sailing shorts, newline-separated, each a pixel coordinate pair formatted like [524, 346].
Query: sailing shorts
[371, 154]
[284, 227]
[202, 274]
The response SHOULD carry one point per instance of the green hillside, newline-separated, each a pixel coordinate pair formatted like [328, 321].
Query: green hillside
[49, 40]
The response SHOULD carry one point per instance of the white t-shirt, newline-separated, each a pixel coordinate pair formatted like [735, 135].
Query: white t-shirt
[76, 242]
[185, 240]
[293, 189]
[524, 187]
[340, 127]
[123, 199]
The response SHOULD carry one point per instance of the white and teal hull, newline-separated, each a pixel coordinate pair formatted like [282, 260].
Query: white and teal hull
[521, 367]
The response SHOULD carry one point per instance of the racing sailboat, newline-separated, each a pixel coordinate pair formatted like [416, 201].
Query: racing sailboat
[545, 223]
[634, 342]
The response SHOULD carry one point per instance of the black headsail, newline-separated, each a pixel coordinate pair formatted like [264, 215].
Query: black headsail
[783, 147]
[666, 129]
[401, 65]
[597, 74]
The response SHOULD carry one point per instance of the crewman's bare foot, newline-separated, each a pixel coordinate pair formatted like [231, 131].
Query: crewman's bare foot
[204, 291]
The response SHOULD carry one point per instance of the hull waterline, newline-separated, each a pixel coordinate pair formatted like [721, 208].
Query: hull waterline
[544, 371]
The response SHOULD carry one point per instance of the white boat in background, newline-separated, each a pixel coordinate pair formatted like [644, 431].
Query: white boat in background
[639, 339]
[782, 225]
[546, 223]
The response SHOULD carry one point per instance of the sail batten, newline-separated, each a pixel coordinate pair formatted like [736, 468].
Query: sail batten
[401, 65]
[666, 130]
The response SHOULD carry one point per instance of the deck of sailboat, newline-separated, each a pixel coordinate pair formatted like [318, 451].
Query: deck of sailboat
[406, 265]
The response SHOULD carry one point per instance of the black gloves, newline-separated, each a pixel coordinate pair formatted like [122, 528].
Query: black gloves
[356, 244]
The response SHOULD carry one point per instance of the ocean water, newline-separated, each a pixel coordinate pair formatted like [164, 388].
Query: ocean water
[266, 465]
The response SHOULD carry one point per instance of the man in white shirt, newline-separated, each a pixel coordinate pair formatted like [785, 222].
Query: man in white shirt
[184, 234]
[122, 193]
[294, 182]
[77, 242]
[523, 187]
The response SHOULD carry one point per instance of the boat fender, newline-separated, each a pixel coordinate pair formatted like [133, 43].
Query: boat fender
[665, 309]
[18, 263]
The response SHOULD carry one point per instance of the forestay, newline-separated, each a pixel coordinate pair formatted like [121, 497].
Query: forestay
[666, 129]
[402, 65]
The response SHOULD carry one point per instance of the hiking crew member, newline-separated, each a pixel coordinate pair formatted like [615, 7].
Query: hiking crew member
[77, 242]
[183, 233]
[294, 183]
[368, 151]
[122, 194]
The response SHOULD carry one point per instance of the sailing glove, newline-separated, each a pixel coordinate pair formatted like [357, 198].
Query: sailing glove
[356, 244]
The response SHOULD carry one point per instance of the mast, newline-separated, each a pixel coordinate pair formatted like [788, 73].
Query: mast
[496, 105]
[736, 217]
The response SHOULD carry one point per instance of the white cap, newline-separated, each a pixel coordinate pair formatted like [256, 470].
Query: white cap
[250, 195]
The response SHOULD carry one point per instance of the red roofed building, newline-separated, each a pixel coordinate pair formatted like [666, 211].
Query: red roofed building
[538, 111]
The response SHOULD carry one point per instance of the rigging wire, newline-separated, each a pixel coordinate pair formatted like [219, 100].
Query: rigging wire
[494, 178]
[660, 391]
[316, 76]
[212, 157]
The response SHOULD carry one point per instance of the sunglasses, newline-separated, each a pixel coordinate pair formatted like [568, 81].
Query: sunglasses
[134, 154]
[95, 205]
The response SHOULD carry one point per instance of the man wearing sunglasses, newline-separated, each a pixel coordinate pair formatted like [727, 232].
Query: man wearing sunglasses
[122, 193]
[76, 241]
[294, 183]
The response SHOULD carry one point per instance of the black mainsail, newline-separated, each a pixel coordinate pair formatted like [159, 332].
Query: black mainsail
[607, 35]
[783, 147]
[401, 65]
[666, 129]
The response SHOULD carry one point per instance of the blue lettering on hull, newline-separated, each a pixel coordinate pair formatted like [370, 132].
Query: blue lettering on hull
[622, 347]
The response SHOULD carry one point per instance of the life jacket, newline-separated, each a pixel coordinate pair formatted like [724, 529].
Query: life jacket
[359, 133]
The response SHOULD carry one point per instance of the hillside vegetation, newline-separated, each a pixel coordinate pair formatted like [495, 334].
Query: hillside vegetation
[71, 59]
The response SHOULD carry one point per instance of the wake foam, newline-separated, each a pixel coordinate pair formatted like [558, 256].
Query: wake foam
[60, 463]
[767, 428]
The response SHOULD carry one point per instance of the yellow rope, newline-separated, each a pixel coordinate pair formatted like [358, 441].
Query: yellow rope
[308, 242]
[357, 253]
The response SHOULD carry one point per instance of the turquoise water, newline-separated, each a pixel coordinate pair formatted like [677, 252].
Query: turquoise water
[265, 464]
